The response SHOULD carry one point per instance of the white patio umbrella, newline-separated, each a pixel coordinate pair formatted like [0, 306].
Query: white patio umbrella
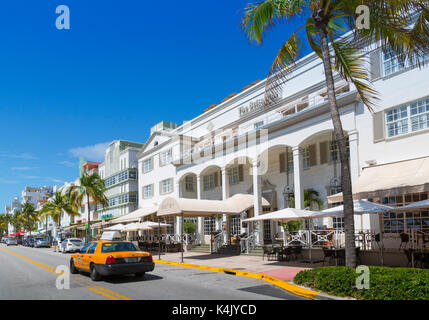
[135, 227]
[413, 206]
[116, 227]
[362, 207]
[285, 215]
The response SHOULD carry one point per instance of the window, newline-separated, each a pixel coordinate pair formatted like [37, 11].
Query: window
[166, 186]
[117, 247]
[306, 157]
[397, 121]
[209, 181]
[391, 63]
[148, 191]
[289, 160]
[414, 116]
[397, 222]
[334, 154]
[92, 248]
[86, 247]
[189, 183]
[165, 157]
[338, 223]
[259, 124]
[147, 165]
[235, 225]
[233, 176]
[209, 225]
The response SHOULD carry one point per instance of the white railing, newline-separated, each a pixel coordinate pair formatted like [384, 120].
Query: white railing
[418, 238]
[249, 243]
[218, 241]
[365, 239]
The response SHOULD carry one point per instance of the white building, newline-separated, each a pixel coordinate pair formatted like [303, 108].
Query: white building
[214, 155]
[119, 171]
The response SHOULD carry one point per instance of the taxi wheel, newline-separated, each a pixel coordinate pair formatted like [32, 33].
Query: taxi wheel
[95, 276]
[140, 274]
[73, 269]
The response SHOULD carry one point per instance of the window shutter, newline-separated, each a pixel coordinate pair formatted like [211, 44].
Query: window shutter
[312, 155]
[240, 172]
[323, 152]
[282, 159]
[378, 126]
[375, 60]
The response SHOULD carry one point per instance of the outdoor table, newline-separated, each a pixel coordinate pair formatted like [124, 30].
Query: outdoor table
[338, 253]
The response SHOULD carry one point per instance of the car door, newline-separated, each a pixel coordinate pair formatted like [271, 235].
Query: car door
[86, 259]
[78, 262]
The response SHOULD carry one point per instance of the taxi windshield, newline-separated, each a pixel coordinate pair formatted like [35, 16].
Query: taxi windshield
[117, 246]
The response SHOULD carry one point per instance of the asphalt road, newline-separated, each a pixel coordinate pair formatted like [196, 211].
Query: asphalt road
[29, 273]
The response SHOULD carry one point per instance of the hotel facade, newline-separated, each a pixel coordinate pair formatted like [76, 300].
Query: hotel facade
[279, 151]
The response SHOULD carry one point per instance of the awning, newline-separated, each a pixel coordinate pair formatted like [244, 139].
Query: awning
[360, 207]
[135, 227]
[136, 215]
[390, 180]
[207, 208]
[416, 206]
[287, 214]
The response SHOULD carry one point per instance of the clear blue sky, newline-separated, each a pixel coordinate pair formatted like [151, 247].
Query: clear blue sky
[121, 68]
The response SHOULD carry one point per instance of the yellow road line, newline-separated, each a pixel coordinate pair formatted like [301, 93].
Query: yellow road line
[51, 269]
[102, 293]
[277, 282]
[114, 293]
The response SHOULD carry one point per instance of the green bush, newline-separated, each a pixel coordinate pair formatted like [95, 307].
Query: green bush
[384, 283]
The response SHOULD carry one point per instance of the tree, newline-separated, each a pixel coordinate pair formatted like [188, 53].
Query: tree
[90, 187]
[29, 216]
[17, 221]
[326, 21]
[310, 198]
[57, 205]
[189, 226]
[3, 224]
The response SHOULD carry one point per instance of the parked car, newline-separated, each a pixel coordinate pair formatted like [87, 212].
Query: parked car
[33, 243]
[28, 242]
[11, 242]
[71, 245]
[19, 241]
[3, 240]
[42, 243]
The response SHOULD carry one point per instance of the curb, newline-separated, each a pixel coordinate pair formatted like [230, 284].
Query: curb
[325, 296]
[300, 291]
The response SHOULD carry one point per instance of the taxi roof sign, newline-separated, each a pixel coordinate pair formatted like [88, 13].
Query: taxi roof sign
[111, 235]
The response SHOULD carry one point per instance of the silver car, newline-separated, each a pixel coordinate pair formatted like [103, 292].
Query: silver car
[71, 245]
[42, 243]
[11, 242]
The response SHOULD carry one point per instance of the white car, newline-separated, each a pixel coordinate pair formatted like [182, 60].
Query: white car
[71, 245]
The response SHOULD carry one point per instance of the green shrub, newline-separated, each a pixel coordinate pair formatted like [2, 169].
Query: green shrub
[384, 283]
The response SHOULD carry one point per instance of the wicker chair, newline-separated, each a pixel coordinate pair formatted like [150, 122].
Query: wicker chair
[269, 251]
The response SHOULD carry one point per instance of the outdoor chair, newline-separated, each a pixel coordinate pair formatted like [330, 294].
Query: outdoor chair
[286, 253]
[405, 238]
[297, 251]
[269, 251]
[418, 257]
[328, 254]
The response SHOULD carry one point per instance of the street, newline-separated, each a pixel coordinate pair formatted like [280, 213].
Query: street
[29, 273]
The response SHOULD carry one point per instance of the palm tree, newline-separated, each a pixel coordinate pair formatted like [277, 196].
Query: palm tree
[17, 221]
[326, 21]
[310, 198]
[29, 216]
[57, 205]
[3, 224]
[90, 187]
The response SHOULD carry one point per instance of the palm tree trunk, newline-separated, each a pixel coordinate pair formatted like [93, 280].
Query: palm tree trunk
[88, 231]
[341, 142]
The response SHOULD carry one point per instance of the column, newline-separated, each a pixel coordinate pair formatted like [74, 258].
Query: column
[297, 178]
[178, 227]
[200, 219]
[354, 155]
[257, 200]
[225, 195]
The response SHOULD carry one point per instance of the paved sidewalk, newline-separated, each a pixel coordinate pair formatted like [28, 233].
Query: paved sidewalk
[285, 271]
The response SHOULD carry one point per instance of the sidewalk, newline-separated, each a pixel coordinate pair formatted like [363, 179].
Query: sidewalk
[283, 270]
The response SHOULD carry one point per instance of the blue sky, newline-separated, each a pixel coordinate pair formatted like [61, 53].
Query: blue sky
[121, 68]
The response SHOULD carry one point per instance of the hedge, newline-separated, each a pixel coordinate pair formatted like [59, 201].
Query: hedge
[385, 283]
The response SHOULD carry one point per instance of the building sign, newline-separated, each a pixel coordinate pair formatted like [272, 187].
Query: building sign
[252, 107]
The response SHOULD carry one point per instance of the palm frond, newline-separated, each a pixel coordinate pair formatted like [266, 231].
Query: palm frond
[350, 64]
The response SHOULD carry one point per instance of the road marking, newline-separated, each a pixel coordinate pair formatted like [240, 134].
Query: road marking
[53, 270]
[102, 293]
[114, 293]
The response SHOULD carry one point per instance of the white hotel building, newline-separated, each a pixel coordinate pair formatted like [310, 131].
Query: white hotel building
[300, 149]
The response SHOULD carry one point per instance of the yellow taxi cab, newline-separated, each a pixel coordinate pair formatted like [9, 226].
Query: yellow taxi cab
[111, 256]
